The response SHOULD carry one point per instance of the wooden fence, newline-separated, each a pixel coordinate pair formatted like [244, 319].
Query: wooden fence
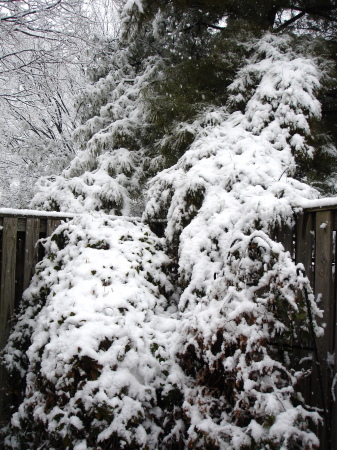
[19, 253]
[312, 242]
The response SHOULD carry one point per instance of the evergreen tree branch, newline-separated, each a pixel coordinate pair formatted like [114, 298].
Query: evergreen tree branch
[215, 27]
[320, 12]
[289, 22]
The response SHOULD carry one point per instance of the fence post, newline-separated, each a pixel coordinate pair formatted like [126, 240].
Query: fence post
[7, 298]
[304, 248]
[324, 288]
[7, 276]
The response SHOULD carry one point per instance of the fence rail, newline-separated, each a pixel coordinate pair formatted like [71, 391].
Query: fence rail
[312, 242]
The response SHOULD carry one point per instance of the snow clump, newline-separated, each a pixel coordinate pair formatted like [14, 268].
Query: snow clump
[93, 340]
[242, 296]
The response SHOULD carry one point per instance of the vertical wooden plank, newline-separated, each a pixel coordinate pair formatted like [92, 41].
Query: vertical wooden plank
[334, 219]
[19, 267]
[52, 224]
[7, 276]
[2, 369]
[304, 243]
[42, 235]
[287, 241]
[285, 236]
[1, 236]
[31, 249]
[303, 250]
[324, 288]
[4, 413]
[334, 387]
[7, 298]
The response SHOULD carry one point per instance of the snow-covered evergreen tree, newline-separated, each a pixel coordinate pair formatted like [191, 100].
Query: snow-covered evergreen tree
[223, 199]
[114, 162]
[179, 342]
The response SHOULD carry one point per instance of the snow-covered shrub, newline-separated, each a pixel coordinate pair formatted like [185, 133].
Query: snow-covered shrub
[112, 187]
[237, 343]
[241, 292]
[93, 342]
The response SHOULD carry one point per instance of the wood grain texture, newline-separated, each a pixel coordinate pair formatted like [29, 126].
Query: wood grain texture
[52, 224]
[288, 240]
[7, 276]
[7, 299]
[4, 403]
[31, 249]
[285, 235]
[324, 288]
[304, 251]
[304, 244]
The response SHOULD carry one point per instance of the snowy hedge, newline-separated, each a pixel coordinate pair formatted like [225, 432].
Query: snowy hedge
[93, 341]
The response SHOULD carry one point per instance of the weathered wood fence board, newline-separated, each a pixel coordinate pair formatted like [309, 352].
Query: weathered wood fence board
[20, 253]
[8, 266]
[324, 288]
[314, 237]
[304, 243]
[7, 291]
[52, 224]
[31, 249]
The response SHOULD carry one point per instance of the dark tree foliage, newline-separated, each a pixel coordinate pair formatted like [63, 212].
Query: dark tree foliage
[203, 46]
[184, 89]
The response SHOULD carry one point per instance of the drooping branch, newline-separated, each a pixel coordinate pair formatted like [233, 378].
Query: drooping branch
[319, 11]
[289, 22]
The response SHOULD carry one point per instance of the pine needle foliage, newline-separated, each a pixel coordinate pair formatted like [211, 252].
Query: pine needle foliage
[186, 341]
